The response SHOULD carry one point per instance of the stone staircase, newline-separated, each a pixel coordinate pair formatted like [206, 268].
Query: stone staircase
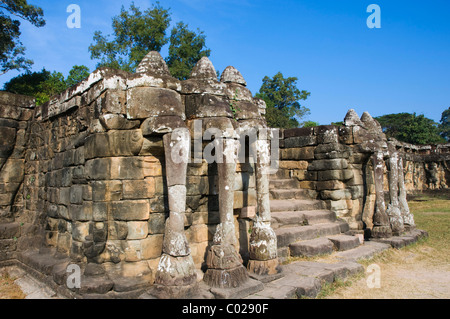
[304, 227]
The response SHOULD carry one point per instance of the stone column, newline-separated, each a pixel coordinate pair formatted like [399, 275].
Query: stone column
[393, 210]
[381, 227]
[225, 268]
[408, 218]
[263, 240]
[176, 268]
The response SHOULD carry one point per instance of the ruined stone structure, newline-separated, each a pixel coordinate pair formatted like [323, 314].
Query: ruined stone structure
[111, 176]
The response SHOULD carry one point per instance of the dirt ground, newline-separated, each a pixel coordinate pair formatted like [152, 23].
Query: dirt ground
[419, 271]
[404, 274]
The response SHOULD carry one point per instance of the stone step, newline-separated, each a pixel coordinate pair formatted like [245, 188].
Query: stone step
[312, 247]
[283, 183]
[289, 235]
[344, 242]
[283, 205]
[299, 218]
[289, 194]
[319, 217]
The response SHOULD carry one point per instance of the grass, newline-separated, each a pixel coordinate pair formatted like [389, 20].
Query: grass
[8, 289]
[420, 270]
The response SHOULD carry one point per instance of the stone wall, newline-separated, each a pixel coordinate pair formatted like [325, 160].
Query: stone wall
[89, 181]
[334, 163]
[86, 178]
[16, 113]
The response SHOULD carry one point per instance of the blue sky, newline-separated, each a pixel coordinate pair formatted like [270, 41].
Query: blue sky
[402, 67]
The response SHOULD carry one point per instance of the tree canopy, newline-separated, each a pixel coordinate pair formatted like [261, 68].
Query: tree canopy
[44, 84]
[444, 127]
[410, 128]
[282, 97]
[11, 49]
[185, 50]
[135, 33]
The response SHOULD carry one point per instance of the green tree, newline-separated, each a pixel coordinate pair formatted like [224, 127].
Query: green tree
[135, 33]
[185, 50]
[283, 98]
[444, 127]
[310, 124]
[44, 84]
[11, 49]
[410, 128]
[77, 74]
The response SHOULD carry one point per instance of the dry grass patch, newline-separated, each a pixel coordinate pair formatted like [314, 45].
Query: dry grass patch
[421, 270]
[8, 289]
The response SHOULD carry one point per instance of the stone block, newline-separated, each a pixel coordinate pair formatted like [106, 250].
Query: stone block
[244, 198]
[99, 211]
[156, 223]
[152, 246]
[328, 164]
[331, 185]
[161, 125]
[128, 210]
[342, 175]
[336, 194]
[144, 102]
[303, 153]
[76, 194]
[113, 143]
[81, 212]
[207, 105]
[117, 230]
[106, 190]
[118, 122]
[300, 141]
[80, 231]
[301, 165]
[327, 134]
[139, 189]
[248, 212]
[137, 230]
[12, 171]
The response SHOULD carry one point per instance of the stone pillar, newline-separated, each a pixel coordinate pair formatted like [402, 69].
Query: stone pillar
[176, 276]
[225, 268]
[381, 227]
[408, 218]
[393, 210]
[263, 240]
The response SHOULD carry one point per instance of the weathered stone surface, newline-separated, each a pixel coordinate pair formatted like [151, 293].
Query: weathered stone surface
[177, 147]
[161, 125]
[144, 102]
[263, 242]
[204, 70]
[311, 247]
[300, 141]
[328, 164]
[153, 63]
[113, 143]
[128, 210]
[207, 105]
[175, 271]
[232, 75]
[303, 153]
[352, 119]
[117, 122]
